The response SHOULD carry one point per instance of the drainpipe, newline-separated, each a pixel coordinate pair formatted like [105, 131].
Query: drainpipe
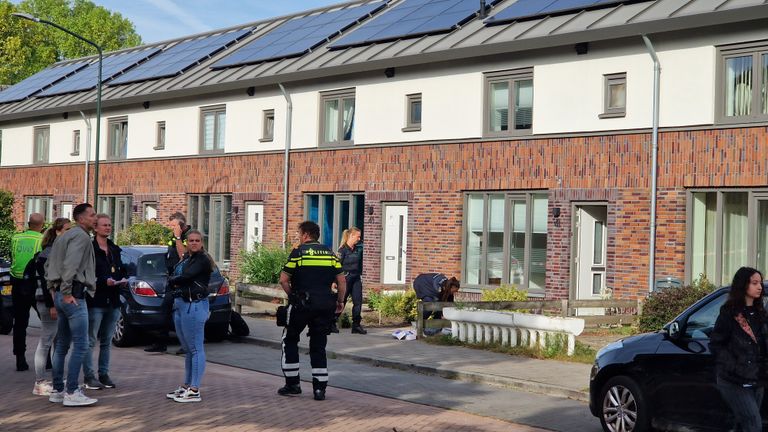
[654, 160]
[288, 119]
[87, 153]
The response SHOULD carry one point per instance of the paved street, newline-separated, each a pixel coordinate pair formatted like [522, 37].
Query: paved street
[234, 399]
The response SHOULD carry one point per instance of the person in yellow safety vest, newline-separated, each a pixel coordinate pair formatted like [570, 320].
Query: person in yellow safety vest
[24, 246]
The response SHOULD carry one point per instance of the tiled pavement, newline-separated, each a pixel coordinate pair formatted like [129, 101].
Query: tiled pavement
[233, 400]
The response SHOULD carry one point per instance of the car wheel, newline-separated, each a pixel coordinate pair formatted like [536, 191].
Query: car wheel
[623, 407]
[216, 332]
[125, 335]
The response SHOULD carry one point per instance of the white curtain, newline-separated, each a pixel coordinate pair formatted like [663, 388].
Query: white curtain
[499, 119]
[495, 254]
[703, 236]
[349, 119]
[209, 124]
[738, 90]
[734, 234]
[221, 121]
[474, 238]
[331, 126]
[523, 104]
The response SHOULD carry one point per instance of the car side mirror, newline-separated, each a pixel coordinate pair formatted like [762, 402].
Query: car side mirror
[673, 330]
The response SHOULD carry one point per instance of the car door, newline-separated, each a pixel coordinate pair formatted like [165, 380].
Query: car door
[682, 373]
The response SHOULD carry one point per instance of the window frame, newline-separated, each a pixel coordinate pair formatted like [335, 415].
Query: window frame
[122, 149]
[75, 143]
[410, 99]
[756, 50]
[218, 147]
[36, 159]
[46, 200]
[356, 200]
[267, 135]
[608, 81]
[221, 235]
[144, 206]
[160, 135]
[120, 210]
[340, 96]
[510, 77]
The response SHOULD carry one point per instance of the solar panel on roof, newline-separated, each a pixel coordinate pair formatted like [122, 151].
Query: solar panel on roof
[86, 78]
[297, 36]
[527, 9]
[179, 57]
[411, 18]
[38, 81]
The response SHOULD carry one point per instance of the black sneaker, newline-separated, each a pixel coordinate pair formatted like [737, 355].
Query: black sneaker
[359, 329]
[21, 363]
[318, 394]
[106, 381]
[156, 348]
[92, 384]
[334, 328]
[289, 390]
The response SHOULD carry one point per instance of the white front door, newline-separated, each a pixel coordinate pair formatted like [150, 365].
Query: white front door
[591, 240]
[254, 225]
[395, 243]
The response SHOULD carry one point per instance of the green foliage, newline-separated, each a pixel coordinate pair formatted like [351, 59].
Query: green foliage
[505, 293]
[263, 265]
[5, 243]
[6, 209]
[27, 47]
[399, 305]
[374, 300]
[144, 233]
[662, 307]
[345, 321]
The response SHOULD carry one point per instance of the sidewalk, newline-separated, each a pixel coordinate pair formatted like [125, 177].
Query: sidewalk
[378, 347]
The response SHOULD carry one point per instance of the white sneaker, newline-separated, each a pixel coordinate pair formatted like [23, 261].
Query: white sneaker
[78, 398]
[56, 396]
[42, 388]
[189, 395]
[176, 393]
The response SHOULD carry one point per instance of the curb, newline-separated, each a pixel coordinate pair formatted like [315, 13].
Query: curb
[474, 377]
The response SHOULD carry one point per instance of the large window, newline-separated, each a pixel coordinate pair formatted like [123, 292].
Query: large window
[119, 208]
[509, 102]
[505, 239]
[337, 117]
[118, 138]
[743, 77]
[42, 137]
[38, 204]
[335, 213]
[212, 129]
[212, 216]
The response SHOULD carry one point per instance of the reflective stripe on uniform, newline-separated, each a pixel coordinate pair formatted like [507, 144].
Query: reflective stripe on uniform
[320, 374]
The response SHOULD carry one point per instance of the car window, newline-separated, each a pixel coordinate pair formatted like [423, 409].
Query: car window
[129, 261]
[151, 265]
[701, 322]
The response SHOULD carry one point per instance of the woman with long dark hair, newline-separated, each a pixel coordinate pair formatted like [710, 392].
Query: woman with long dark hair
[738, 344]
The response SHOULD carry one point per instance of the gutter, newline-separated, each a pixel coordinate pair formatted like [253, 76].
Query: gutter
[654, 161]
[288, 118]
[87, 154]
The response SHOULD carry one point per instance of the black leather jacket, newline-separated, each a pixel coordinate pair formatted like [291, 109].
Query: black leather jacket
[192, 283]
[738, 358]
[351, 260]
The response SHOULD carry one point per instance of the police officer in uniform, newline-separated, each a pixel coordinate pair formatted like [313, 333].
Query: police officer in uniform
[307, 278]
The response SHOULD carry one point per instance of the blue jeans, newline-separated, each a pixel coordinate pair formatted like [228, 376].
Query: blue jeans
[73, 328]
[101, 327]
[189, 319]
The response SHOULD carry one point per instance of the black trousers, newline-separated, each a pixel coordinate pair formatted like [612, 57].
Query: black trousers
[745, 403]
[23, 301]
[355, 290]
[319, 323]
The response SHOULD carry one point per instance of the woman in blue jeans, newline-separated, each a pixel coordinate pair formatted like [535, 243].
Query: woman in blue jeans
[190, 312]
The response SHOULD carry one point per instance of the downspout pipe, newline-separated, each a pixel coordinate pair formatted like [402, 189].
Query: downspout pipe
[87, 153]
[654, 160]
[288, 119]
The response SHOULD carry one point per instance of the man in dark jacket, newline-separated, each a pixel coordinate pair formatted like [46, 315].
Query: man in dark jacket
[104, 307]
[435, 287]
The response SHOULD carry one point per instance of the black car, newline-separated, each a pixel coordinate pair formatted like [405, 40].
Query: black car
[6, 301]
[143, 296]
[663, 380]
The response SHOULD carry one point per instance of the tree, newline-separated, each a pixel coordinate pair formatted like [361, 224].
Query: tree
[27, 47]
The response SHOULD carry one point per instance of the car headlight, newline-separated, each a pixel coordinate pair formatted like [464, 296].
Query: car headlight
[610, 347]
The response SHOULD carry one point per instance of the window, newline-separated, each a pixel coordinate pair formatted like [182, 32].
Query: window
[614, 95]
[38, 204]
[75, 143]
[160, 136]
[118, 139]
[268, 126]
[150, 211]
[505, 239]
[505, 92]
[212, 216]
[212, 129]
[701, 323]
[412, 113]
[42, 144]
[335, 213]
[337, 117]
[118, 208]
[743, 74]
[66, 209]
[1, 146]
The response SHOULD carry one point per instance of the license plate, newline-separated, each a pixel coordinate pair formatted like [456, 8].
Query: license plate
[6, 291]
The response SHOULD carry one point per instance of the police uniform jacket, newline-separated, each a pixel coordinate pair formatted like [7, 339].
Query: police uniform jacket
[313, 267]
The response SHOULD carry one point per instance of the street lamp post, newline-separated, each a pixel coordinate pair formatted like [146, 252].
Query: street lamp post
[98, 95]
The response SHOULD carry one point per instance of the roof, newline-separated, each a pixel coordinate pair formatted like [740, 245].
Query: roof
[473, 39]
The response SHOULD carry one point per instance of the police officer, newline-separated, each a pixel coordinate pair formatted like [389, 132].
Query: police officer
[307, 278]
[24, 246]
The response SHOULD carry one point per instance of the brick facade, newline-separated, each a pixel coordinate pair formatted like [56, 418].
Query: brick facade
[432, 179]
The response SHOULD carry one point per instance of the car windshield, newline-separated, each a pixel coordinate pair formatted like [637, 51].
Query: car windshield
[151, 265]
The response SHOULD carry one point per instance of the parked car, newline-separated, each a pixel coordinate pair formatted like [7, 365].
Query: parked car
[666, 379]
[143, 296]
[6, 301]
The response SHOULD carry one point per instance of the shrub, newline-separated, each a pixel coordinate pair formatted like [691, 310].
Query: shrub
[374, 299]
[144, 233]
[5, 243]
[662, 307]
[6, 211]
[504, 293]
[263, 264]
[399, 305]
